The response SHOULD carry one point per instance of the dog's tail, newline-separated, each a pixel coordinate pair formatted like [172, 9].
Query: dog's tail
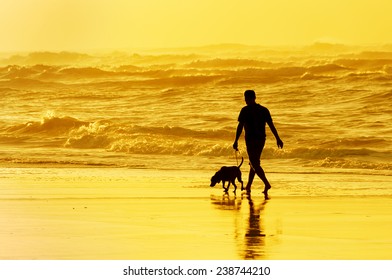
[241, 162]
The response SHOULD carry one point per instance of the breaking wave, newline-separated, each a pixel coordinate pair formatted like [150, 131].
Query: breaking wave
[127, 71]
[133, 139]
[48, 125]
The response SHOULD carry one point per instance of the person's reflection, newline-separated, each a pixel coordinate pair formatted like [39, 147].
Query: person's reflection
[249, 236]
[254, 236]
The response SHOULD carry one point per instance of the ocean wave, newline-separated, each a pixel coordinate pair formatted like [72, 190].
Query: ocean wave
[353, 158]
[360, 64]
[155, 144]
[228, 63]
[50, 125]
[85, 72]
[199, 72]
[351, 164]
[73, 127]
[56, 163]
[50, 58]
[163, 146]
[368, 142]
[310, 76]
[116, 136]
[148, 140]
[320, 153]
[24, 83]
[107, 139]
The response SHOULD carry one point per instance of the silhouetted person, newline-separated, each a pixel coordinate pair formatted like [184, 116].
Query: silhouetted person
[253, 118]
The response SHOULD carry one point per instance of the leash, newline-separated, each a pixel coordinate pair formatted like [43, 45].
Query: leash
[237, 153]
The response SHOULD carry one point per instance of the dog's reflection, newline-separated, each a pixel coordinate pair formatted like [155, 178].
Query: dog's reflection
[249, 232]
[226, 202]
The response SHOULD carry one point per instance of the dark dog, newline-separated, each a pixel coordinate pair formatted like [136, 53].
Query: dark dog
[228, 173]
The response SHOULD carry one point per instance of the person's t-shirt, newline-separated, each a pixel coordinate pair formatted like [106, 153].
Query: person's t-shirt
[254, 117]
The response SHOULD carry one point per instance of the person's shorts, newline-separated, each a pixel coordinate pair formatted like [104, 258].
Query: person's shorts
[254, 149]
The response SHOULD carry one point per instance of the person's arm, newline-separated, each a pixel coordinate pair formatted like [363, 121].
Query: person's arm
[279, 142]
[237, 135]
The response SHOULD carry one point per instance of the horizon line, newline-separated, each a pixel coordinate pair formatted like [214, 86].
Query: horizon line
[198, 47]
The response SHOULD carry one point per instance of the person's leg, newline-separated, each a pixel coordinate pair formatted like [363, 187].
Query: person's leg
[254, 152]
[251, 176]
[260, 172]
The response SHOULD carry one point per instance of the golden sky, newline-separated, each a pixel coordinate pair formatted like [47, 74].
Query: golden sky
[120, 24]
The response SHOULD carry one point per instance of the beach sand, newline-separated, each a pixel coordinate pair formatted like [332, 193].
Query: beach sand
[155, 215]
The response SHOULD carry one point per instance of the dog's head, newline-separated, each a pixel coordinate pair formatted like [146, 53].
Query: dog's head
[215, 179]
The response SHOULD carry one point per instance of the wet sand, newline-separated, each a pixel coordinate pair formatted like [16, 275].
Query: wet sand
[49, 220]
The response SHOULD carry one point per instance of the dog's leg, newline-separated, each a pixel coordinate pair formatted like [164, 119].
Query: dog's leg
[228, 186]
[240, 180]
[223, 185]
[235, 187]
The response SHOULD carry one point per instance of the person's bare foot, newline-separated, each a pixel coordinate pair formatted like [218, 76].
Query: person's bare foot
[265, 192]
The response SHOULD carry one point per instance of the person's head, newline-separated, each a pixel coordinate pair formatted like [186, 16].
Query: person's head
[250, 96]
